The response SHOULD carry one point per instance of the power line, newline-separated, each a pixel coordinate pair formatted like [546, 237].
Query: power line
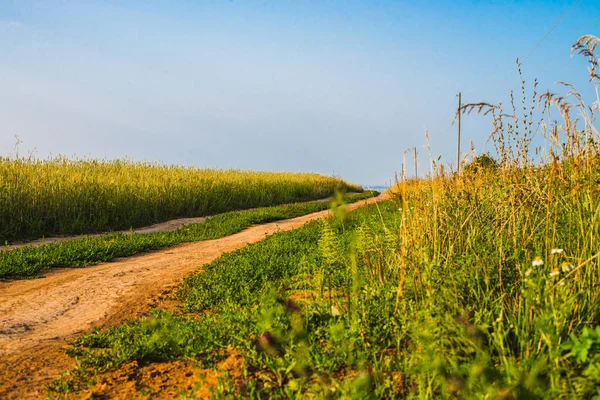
[593, 23]
[546, 64]
[564, 15]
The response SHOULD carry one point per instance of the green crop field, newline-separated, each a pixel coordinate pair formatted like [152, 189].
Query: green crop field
[61, 196]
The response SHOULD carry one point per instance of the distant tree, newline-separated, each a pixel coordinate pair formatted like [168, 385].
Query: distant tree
[481, 163]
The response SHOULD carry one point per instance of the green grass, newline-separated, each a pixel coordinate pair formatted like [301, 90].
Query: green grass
[28, 261]
[62, 196]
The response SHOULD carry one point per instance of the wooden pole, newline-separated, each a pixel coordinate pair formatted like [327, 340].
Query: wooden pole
[415, 156]
[458, 137]
[402, 173]
[404, 166]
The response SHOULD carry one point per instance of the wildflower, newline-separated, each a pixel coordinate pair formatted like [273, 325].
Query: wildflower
[291, 306]
[566, 267]
[554, 272]
[562, 283]
[537, 262]
[269, 344]
[557, 251]
[334, 311]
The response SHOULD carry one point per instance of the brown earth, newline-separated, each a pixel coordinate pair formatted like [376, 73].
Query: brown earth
[163, 380]
[36, 316]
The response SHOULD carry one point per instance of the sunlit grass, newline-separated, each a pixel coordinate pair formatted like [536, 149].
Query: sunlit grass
[63, 196]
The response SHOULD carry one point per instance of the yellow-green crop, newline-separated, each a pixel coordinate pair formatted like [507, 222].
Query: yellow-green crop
[64, 196]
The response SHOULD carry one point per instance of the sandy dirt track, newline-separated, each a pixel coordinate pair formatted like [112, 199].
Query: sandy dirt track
[36, 316]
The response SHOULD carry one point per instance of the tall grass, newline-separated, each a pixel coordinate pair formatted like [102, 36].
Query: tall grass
[63, 196]
[499, 267]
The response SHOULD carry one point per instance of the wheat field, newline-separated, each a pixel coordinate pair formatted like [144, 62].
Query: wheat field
[69, 196]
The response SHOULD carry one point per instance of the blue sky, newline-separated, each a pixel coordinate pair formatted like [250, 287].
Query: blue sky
[336, 87]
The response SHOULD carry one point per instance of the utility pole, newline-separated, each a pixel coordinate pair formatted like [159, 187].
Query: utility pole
[458, 137]
[404, 166]
[402, 174]
[415, 157]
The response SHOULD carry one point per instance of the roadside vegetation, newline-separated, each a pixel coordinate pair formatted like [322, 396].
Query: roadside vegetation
[62, 196]
[27, 261]
[483, 285]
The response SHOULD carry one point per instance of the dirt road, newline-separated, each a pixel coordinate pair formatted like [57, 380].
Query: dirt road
[36, 316]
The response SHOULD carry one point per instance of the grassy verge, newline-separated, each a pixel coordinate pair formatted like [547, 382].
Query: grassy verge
[62, 196]
[88, 251]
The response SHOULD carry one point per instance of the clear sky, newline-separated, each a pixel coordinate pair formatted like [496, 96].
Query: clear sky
[336, 87]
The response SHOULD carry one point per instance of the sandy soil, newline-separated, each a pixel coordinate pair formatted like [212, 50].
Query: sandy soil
[36, 316]
[163, 380]
[167, 226]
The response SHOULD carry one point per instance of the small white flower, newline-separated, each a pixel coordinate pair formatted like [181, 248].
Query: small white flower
[562, 283]
[557, 251]
[554, 272]
[334, 311]
[566, 267]
[537, 262]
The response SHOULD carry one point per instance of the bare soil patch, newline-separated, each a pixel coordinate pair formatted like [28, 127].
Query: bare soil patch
[162, 380]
